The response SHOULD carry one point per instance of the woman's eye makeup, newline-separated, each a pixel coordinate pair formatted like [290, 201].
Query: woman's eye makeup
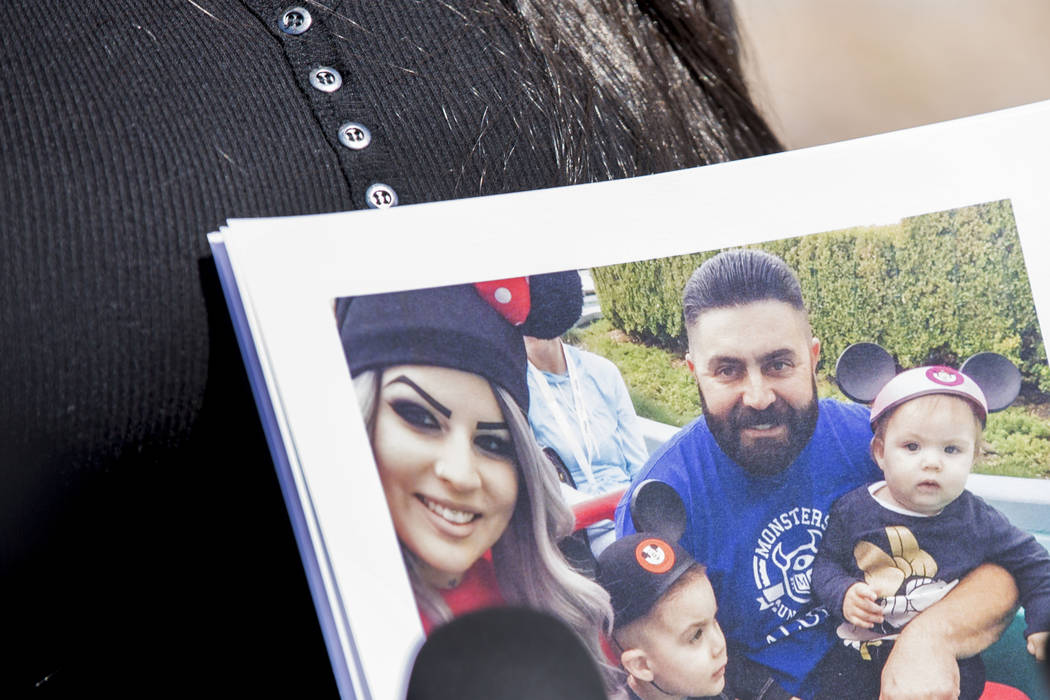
[422, 417]
[414, 414]
[496, 445]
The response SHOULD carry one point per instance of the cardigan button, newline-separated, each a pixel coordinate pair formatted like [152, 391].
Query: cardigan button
[355, 136]
[380, 196]
[326, 79]
[295, 20]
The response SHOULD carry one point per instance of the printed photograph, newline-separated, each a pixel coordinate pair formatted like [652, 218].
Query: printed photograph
[735, 468]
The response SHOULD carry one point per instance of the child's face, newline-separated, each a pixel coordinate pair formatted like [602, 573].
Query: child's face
[684, 646]
[927, 451]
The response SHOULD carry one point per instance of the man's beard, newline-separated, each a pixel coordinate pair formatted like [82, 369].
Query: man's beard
[764, 456]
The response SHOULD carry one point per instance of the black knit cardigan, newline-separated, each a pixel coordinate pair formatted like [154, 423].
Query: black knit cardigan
[145, 544]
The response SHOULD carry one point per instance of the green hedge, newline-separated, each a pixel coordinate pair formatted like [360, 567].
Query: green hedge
[934, 288]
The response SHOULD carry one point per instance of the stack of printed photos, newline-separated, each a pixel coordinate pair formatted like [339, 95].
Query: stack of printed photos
[833, 211]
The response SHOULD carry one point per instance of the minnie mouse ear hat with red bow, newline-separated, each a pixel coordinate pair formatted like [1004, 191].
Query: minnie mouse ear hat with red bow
[866, 373]
[476, 328]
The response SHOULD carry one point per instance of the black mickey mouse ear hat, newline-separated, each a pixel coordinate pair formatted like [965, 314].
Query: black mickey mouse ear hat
[866, 373]
[657, 507]
[998, 378]
[638, 569]
[476, 328]
[862, 370]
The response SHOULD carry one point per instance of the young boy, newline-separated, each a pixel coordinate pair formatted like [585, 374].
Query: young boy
[664, 626]
[896, 547]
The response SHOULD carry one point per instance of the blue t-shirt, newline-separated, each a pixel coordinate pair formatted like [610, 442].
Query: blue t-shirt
[758, 535]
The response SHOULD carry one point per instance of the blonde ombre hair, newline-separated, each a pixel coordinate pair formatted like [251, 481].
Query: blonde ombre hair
[530, 568]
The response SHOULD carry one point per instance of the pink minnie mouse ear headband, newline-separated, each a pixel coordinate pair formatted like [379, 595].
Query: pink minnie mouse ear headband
[866, 373]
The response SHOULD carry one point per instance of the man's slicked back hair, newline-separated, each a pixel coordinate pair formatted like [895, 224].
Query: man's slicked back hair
[737, 277]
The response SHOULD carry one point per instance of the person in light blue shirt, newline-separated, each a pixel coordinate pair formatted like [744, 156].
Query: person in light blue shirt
[580, 408]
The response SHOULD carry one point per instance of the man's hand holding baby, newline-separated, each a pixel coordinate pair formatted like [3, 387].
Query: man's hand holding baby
[1037, 645]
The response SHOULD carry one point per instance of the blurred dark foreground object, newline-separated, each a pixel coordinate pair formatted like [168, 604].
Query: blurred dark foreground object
[504, 654]
[1046, 665]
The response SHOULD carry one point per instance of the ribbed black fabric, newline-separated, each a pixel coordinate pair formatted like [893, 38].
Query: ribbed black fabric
[145, 544]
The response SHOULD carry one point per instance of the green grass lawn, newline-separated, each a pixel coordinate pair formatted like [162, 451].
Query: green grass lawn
[1018, 439]
[660, 384]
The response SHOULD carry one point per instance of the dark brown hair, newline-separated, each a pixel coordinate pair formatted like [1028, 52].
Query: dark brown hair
[736, 277]
[641, 87]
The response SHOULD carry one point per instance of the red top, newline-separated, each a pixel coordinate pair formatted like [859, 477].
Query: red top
[477, 590]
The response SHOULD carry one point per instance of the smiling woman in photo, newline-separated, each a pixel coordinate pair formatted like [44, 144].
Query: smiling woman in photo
[447, 466]
[441, 378]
